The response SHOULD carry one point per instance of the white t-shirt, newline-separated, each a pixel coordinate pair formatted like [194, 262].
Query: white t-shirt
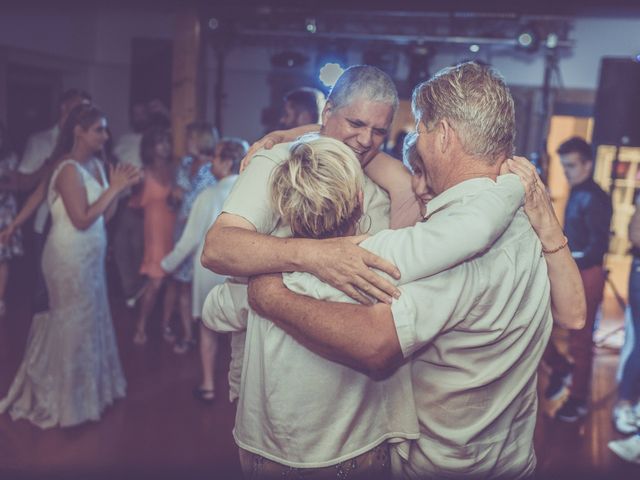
[205, 210]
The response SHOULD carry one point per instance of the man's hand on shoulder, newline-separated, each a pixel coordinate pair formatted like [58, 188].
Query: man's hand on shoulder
[274, 138]
[342, 263]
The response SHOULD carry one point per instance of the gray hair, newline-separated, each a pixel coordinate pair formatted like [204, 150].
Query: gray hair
[364, 81]
[476, 101]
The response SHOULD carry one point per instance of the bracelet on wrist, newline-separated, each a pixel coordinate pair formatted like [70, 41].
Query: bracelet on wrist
[557, 249]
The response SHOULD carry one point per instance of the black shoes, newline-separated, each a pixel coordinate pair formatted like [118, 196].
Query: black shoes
[573, 410]
[558, 385]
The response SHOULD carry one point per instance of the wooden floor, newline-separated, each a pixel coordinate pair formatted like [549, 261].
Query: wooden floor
[159, 431]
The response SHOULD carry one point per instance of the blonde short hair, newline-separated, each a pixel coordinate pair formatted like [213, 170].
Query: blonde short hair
[316, 190]
[476, 101]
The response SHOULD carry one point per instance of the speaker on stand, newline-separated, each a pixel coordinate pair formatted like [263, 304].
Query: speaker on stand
[617, 110]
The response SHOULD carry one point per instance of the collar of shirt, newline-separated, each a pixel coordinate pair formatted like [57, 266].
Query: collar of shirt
[462, 189]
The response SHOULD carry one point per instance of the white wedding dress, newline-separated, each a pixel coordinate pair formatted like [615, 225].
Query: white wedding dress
[71, 370]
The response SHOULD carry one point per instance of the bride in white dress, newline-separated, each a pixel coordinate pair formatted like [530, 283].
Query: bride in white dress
[71, 370]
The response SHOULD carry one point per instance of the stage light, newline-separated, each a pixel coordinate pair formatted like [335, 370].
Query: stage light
[330, 73]
[527, 39]
[310, 25]
[475, 48]
[552, 41]
[213, 23]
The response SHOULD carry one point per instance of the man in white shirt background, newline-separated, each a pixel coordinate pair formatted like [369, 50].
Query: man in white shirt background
[128, 237]
[127, 148]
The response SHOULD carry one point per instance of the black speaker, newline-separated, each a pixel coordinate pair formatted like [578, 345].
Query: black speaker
[617, 112]
[151, 61]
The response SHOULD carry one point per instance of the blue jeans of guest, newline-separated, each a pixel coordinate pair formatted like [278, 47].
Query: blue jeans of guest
[629, 388]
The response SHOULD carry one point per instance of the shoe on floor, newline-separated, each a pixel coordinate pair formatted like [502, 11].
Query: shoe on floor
[627, 449]
[558, 385]
[572, 410]
[625, 419]
[184, 346]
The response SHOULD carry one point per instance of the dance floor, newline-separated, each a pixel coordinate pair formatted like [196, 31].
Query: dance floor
[160, 431]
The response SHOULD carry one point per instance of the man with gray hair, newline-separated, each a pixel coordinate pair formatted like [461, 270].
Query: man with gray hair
[248, 237]
[475, 333]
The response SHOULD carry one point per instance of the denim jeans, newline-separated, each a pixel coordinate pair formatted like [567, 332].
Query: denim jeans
[629, 388]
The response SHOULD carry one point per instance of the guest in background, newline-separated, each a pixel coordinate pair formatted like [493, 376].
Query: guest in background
[224, 165]
[302, 106]
[127, 148]
[8, 208]
[586, 225]
[626, 413]
[128, 238]
[159, 222]
[193, 175]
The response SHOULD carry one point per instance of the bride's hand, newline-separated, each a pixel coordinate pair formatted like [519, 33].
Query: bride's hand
[123, 176]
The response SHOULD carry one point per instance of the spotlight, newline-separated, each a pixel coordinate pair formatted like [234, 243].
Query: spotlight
[527, 39]
[475, 48]
[552, 41]
[310, 25]
[330, 73]
[213, 23]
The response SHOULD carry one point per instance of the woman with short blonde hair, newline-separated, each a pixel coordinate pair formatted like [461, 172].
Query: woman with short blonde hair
[318, 191]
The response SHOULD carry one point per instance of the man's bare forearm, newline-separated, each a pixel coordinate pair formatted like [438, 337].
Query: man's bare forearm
[360, 336]
[237, 251]
[568, 304]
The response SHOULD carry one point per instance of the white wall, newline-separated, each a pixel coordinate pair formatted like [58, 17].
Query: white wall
[91, 49]
[245, 90]
[111, 65]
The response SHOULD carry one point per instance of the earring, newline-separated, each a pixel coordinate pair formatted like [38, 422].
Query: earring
[364, 220]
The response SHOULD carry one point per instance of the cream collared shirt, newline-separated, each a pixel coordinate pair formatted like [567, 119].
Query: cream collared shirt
[475, 335]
